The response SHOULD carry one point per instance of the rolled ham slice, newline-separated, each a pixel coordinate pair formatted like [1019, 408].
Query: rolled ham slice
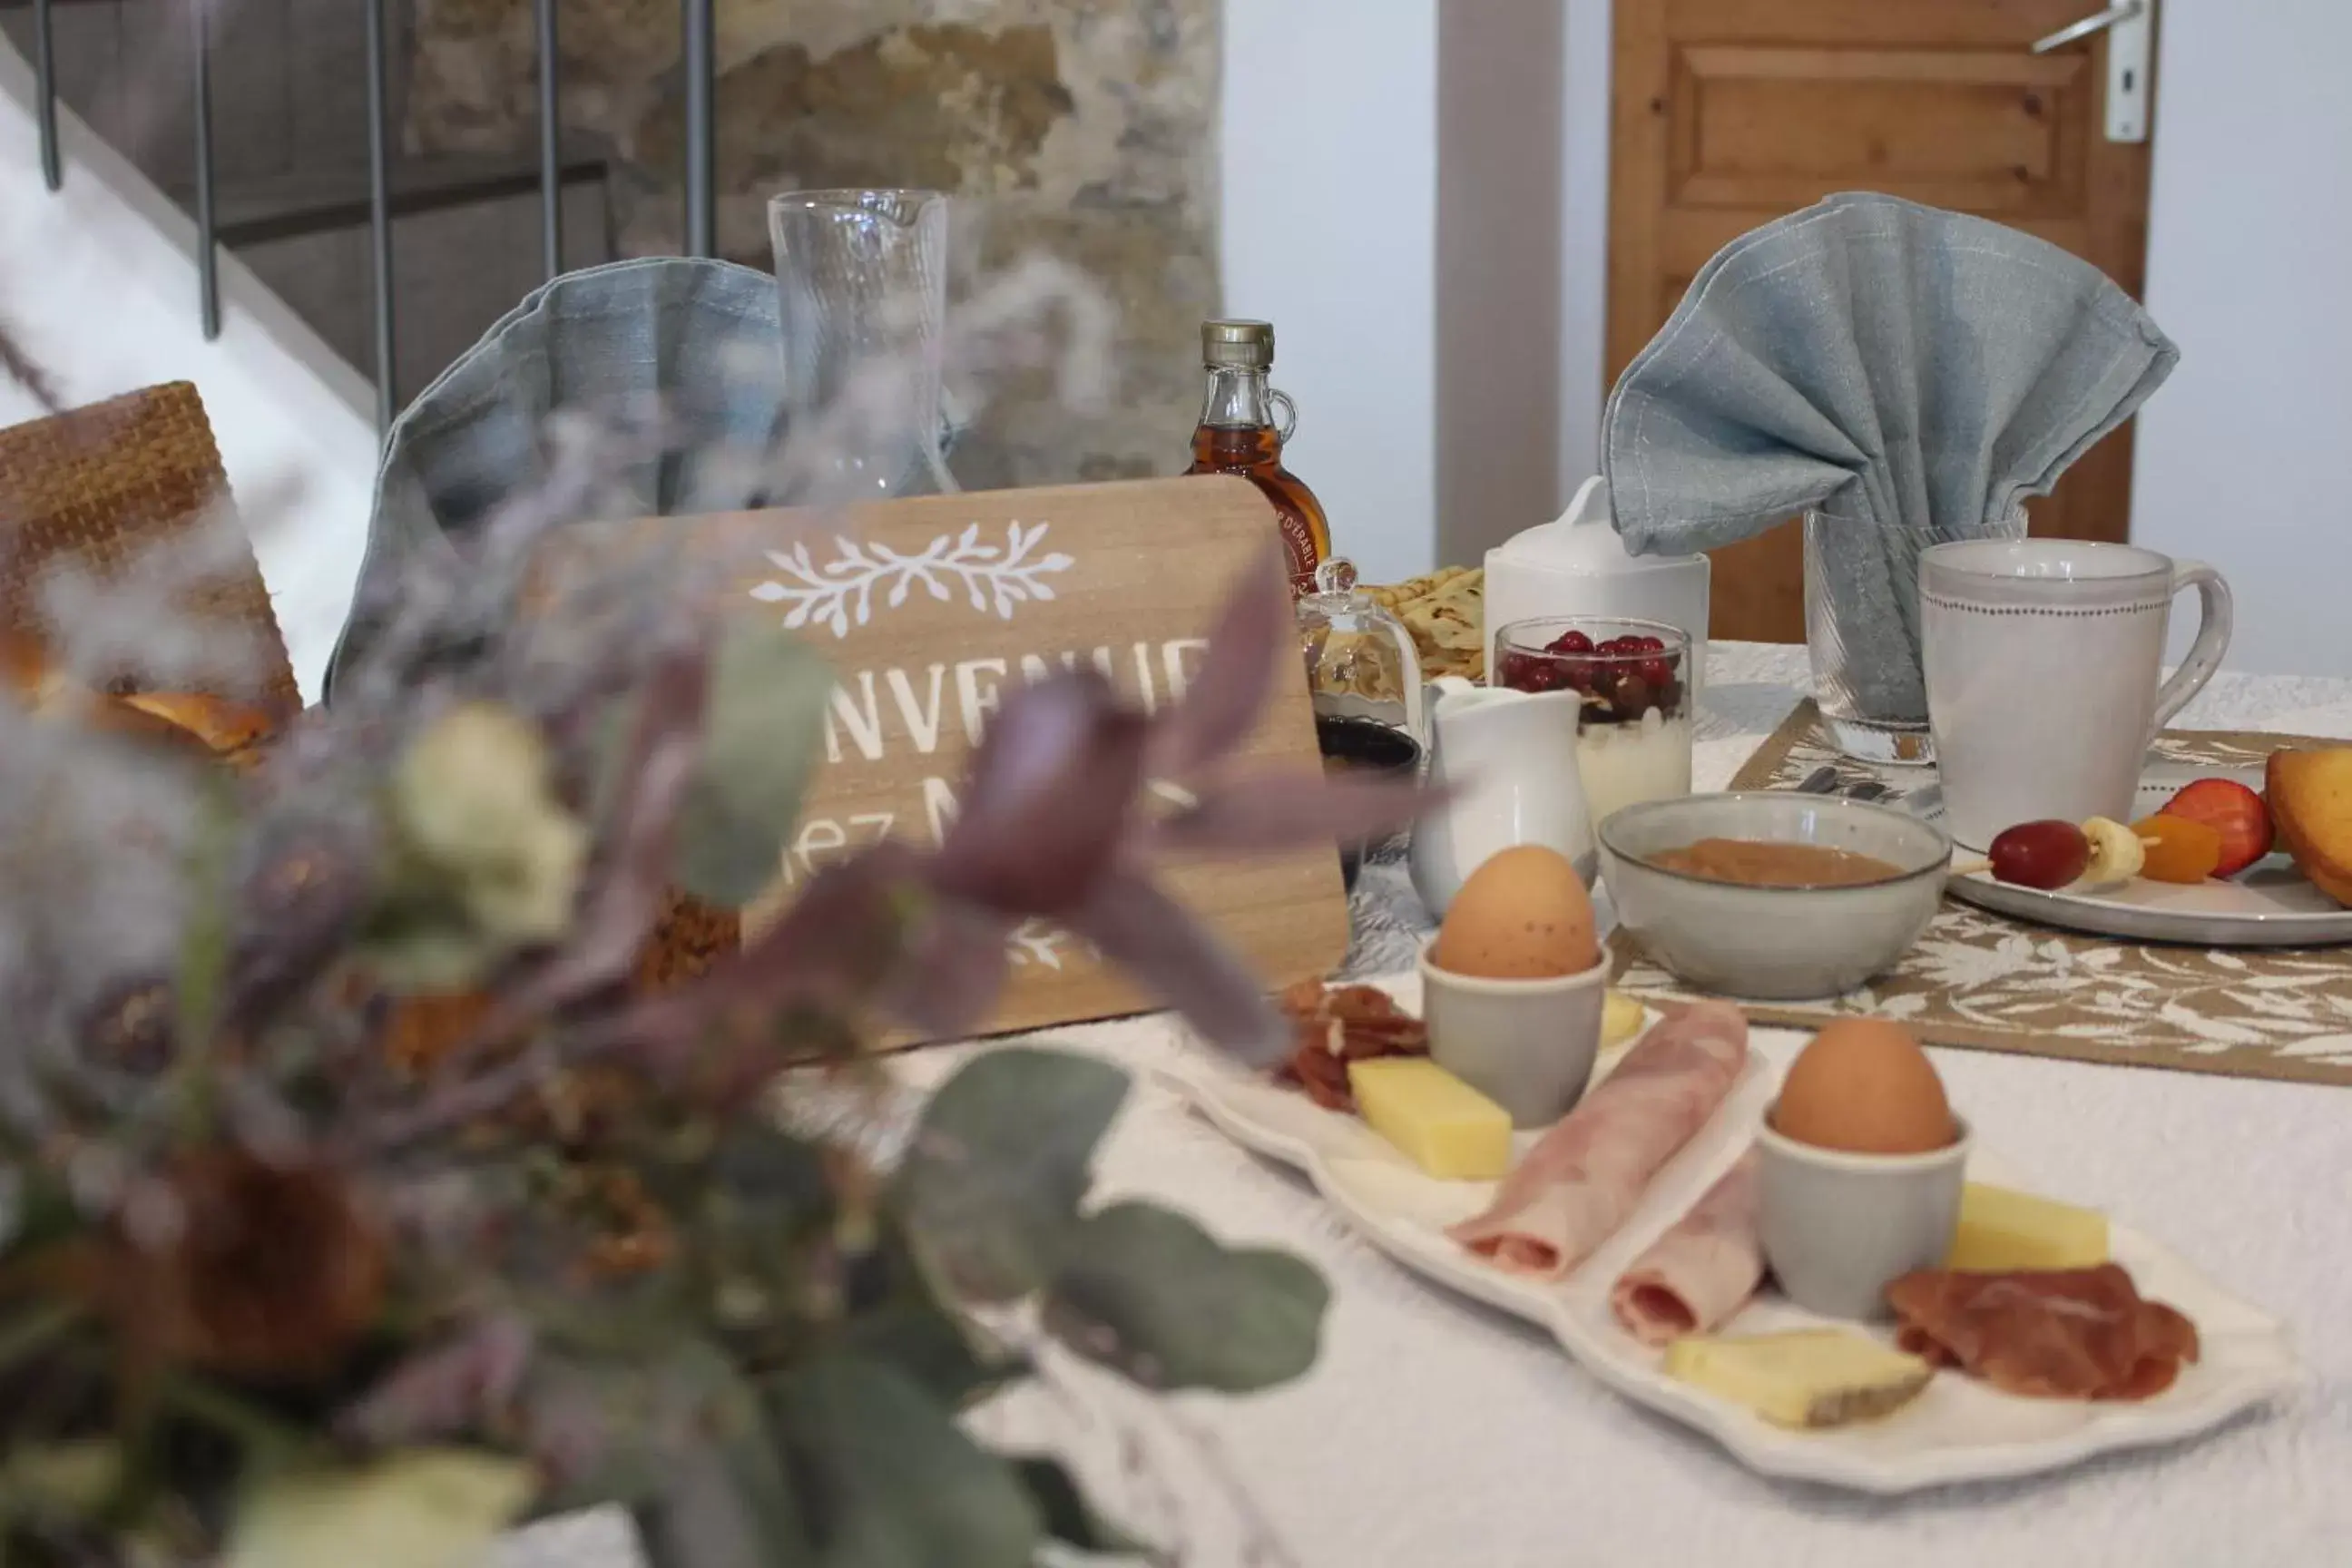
[1700, 1273]
[1583, 1178]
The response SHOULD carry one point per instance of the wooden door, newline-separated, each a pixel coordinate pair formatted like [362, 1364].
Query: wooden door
[1729, 114]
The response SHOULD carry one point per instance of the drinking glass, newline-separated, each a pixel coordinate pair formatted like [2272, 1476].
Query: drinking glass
[1862, 631]
[861, 281]
[1633, 727]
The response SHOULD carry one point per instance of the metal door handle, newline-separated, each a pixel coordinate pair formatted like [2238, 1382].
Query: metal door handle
[2130, 49]
[2129, 11]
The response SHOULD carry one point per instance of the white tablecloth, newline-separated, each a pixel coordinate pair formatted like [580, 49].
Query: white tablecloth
[1435, 1432]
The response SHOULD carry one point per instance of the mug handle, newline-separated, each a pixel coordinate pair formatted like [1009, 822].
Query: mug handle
[2214, 609]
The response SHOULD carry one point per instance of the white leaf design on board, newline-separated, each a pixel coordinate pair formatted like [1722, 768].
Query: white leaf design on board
[995, 580]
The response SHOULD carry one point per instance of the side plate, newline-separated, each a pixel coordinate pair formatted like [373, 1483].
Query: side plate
[2269, 904]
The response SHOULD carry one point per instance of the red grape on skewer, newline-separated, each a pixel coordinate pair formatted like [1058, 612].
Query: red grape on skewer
[2043, 855]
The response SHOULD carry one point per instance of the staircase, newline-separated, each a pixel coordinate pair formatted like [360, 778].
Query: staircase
[291, 195]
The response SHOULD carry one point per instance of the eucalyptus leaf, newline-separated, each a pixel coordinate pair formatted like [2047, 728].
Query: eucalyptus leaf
[897, 1482]
[727, 1500]
[950, 1360]
[772, 1173]
[1149, 1293]
[763, 731]
[625, 1319]
[420, 1508]
[682, 1438]
[1003, 1157]
[585, 1412]
[1071, 1519]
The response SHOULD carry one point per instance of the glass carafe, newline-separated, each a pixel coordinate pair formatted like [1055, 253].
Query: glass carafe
[861, 281]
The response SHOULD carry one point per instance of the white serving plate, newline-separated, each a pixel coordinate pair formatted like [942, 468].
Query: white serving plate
[2269, 904]
[1958, 1430]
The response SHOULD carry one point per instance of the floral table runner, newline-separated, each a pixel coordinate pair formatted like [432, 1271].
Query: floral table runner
[1984, 981]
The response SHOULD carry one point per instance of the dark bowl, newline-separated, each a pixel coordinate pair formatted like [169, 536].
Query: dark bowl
[1354, 745]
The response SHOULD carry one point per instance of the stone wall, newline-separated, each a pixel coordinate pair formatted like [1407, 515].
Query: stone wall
[1085, 127]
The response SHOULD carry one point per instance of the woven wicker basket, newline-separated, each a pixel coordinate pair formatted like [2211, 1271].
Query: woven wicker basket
[97, 487]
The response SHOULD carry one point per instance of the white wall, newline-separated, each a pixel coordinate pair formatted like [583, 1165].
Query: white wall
[1332, 159]
[1499, 152]
[1330, 219]
[1584, 241]
[2242, 455]
[98, 283]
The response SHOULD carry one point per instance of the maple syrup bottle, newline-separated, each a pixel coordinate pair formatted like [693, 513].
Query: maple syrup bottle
[1238, 435]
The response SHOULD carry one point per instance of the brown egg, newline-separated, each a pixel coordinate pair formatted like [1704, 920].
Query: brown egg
[1864, 1086]
[1522, 915]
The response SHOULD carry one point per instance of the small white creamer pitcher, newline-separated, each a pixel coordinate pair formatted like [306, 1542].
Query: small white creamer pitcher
[1511, 759]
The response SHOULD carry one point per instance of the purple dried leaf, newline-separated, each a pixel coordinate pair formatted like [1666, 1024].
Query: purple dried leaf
[1222, 704]
[1263, 811]
[1047, 799]
[445, 1392]
[1159, 944]
[951, 972]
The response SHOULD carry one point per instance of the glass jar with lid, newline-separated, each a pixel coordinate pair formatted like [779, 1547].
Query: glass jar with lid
[1364, 676]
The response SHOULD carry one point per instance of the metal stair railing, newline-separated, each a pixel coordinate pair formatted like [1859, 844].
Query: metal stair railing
[698, 26]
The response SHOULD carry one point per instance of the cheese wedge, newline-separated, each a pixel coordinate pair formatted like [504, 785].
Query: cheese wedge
[1441, 1124]
[1621, 1017]
[2003, 1230]
[1808, 1378]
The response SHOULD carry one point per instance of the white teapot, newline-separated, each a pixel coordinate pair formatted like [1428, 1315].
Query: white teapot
[1511, 757]
[1578, 566]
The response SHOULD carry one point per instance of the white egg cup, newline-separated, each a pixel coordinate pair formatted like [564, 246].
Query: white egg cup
[1839, 1227]
[1526, 1045]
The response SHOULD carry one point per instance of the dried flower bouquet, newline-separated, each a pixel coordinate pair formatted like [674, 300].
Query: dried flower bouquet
[277, 1294]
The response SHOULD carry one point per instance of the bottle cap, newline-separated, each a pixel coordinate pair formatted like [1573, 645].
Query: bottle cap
[1241, 345]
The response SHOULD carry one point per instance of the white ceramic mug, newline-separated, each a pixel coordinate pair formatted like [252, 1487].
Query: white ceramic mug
[2042, 658]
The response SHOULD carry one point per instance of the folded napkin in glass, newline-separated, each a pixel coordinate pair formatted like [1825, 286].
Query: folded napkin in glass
[697, 342]
[1906, 375]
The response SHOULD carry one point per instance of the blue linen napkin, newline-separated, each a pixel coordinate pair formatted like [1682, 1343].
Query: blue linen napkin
[606, 338]
[1914, 372]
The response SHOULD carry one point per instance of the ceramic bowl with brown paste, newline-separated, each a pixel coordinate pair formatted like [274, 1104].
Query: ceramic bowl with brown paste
[1766, 863]
[1772, 895]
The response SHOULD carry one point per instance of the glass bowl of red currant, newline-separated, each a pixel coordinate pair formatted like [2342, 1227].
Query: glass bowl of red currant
[1623, 669]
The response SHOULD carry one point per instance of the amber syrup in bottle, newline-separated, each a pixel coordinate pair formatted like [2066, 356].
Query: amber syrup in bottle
[1239, 435]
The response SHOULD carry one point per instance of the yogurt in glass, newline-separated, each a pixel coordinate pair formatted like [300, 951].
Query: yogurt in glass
[1633, 730]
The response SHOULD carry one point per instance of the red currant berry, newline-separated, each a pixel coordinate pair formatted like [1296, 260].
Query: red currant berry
[1570, 642]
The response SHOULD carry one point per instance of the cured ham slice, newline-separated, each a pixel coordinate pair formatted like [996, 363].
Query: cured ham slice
[1583, 1178]
[1702, 1270]
[1335, 1025]
[2075, 1333]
